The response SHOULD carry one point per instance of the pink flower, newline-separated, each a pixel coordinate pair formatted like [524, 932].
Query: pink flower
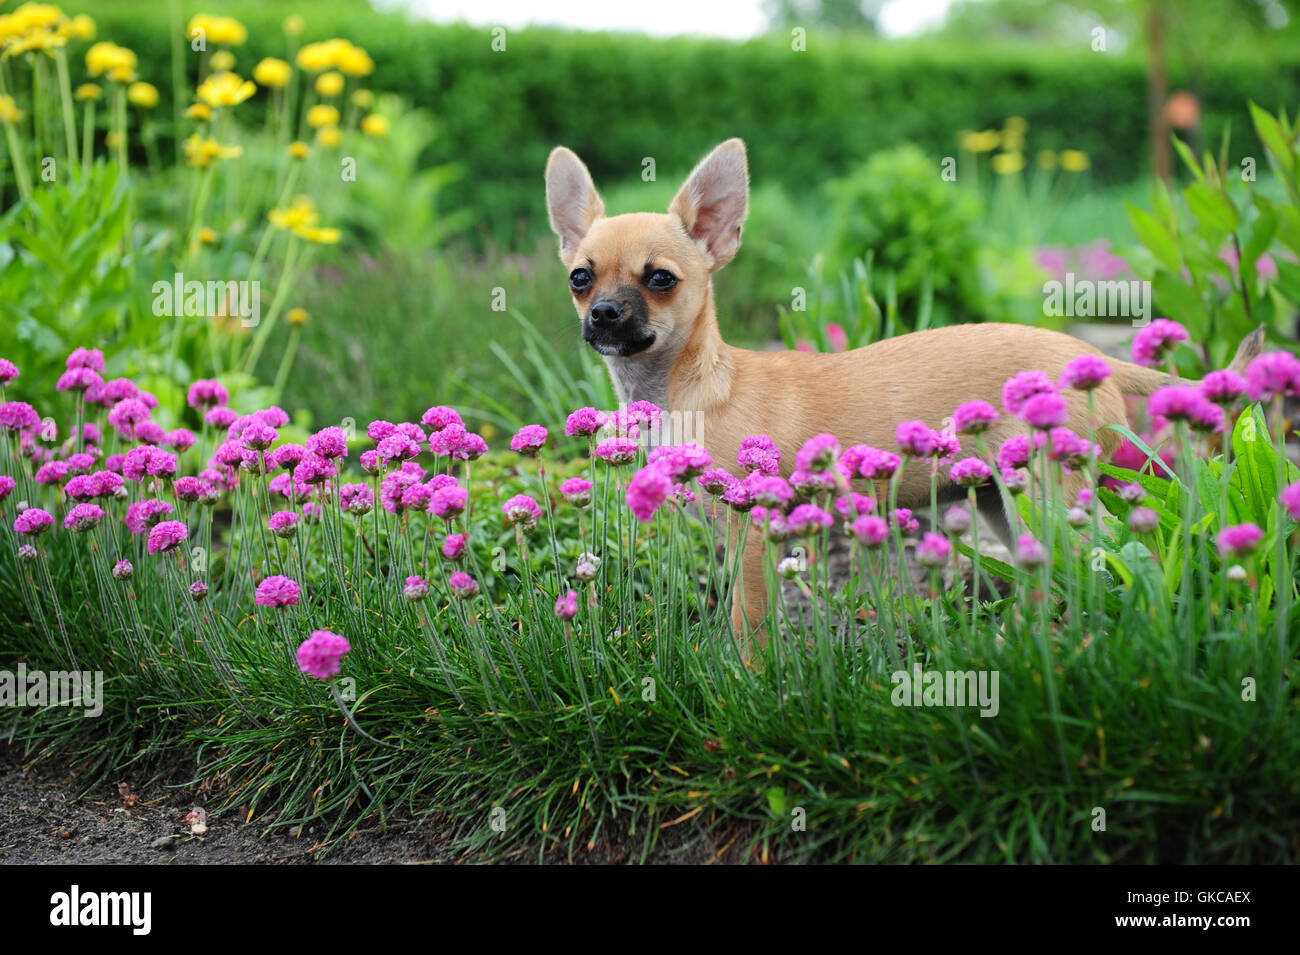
[916, 439]
[448, 501]
[453, 546]
[462, 585]
[356, 498]
[1273, 373]
[1223, 387]
[143, 515]
[523, 511]
[91, 358]
[314, 470]
[376, 431]
[769, 490]
[283, 523]
[974, 417]
[680, 460]
[107, 483]
[1290, 498]
[1030, 552]
[7, 484]
[850, 505]
[1085, 372]
[205, 393]
[198, 590]
[1014, 452]
[127, 413]
[328, 443]
[807, 519]
[1186, 403]
[52, 472]
[18, 416]
[1143, 520]
[577, 491]
[277, 591]
[529, 439]
[219, 418]
[818, 453]
[179, 439]
[648, 490]
[8, 371]
[122, 570]
[645, 413]
[258, 437]
[77, 379]
[415, 588]
[617, 451]
[1072, 450]
[715, 480]
[879, 465]
[1020, 388]
[82, 517]
[321, 654]
[956, 520]
[870, 530]
[970, 472]
[585, 422]
[736, 496]
[1239, 540]
[807, 483]
[1044, 410]
[566, 607]
[165, 536]
[439, 417]
[933, 550]
[1152, 343]
[759, 453]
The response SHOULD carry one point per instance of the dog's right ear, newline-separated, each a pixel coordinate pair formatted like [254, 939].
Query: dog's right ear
[571, 200]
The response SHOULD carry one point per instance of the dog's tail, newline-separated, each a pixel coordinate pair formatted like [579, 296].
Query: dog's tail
[1136, 380]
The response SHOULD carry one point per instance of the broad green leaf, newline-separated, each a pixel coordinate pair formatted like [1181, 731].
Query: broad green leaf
[1212, 207]
[1153, 234]
[1274, 140]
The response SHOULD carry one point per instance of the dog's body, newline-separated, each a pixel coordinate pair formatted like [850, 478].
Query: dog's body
[642, 286]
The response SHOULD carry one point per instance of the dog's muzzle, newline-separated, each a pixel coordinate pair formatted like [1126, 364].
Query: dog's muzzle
[614, 327]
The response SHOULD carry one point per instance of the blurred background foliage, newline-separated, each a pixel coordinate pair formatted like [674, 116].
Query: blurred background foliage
[446, 247]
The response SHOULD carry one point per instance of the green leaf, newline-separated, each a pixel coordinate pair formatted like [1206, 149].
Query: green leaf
[1212, 207]
[1153, 234]
[1274, 140]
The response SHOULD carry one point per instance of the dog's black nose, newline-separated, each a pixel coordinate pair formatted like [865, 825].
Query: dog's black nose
[605, 314]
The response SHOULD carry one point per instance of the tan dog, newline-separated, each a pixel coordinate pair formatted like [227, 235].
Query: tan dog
[642, 285]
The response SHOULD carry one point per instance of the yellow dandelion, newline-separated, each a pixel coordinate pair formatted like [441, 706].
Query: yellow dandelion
[322, 236]
[9, 111]
[272, 72]
[292, 25]
[105, 57]
[1046, 159]
[199, 111]
[318, 57]
[223, 60]
[1074, 160]
[80, 27]
[302, 214]
[200, 152]
[220, 31]
[330, 84]
[225, 89]
[1005, 164]
[355, 61]
[375, 125]
[329, 136]
[37, 16]
[322, 114]
[39, 40]
[298, 149]
[122, 75]
[144, 95]
[982, 142]
[1015, 124]
[112, 139]
[88, 91]
[363, 99]
[209, 236]
[296, 316]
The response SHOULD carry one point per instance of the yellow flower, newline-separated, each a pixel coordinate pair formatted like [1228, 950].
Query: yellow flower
[329, 136]
[122, 75]
[88, 91]
[272, 72]
[375, 125]
[300, 218]
[1015, 124]
[80, 27]
[39, 40]
[329, 84]
[355, 61]
[322, 114]
[200, 152]
[105, 57]
[144, 95]
[199, 111]
[1005, 164]
[1074, 160]
[983, 142]
[292, 25]
[1046, 159]
[223, 60]
[223, 31]
[112, 138]
[225, 89]
[296, 316]
[363, 99]
[298, 149]
[318, 57]
[36, 16]
[208, 236]
[9, 112]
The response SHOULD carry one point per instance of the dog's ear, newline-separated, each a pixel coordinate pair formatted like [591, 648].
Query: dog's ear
[714, 201]
[571, 200]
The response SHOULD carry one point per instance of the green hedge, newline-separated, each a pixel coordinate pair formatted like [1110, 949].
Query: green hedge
[807, 116]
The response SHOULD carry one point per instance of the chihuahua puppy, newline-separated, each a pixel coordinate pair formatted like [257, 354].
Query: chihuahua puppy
[642, 286]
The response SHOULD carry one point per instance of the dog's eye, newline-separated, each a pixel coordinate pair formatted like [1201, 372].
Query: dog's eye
[661, 280]
[580, 279]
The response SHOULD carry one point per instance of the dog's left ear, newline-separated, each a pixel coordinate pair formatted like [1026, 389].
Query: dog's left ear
[714, 201]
